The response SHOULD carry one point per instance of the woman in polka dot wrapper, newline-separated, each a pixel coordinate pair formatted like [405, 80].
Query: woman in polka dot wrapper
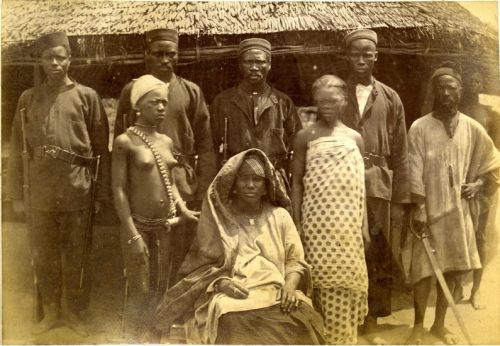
[328, 195]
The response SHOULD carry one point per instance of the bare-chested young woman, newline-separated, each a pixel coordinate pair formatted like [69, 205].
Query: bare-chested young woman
[145, 197]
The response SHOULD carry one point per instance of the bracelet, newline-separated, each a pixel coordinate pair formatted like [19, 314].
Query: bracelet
[134, 238]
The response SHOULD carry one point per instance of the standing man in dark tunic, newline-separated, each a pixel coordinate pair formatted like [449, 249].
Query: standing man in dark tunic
[65, 127]
[255, 114]
[187, 123]
[376, 112]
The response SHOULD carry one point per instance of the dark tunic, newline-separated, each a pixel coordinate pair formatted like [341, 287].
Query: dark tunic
[73, 118]
[383, 128]
[277, 122]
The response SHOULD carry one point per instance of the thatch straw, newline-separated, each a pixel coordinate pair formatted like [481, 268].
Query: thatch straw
[95, 25]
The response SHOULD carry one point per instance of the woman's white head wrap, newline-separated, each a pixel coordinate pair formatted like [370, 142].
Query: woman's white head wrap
[143, 85]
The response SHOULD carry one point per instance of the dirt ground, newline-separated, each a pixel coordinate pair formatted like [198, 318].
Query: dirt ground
[483, 325]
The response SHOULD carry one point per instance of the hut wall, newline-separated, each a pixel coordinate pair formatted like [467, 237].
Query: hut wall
[291, 73]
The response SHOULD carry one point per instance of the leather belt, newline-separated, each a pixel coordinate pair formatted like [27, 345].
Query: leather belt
[60, 154]
[372, 159]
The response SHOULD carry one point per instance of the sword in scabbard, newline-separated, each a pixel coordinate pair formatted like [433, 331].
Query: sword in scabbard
[87, 246]
[37, 305]
[423, 236]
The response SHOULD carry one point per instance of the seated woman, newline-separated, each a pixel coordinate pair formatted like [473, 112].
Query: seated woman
[245, 265]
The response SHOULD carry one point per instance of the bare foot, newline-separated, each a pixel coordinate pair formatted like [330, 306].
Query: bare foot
[376, 340]
[48, 323]
[476, 301]
[445, 335]
[417, 335]
[370, 325]
[458, 293]
[150, 336]
[50, 320]
[73, 322]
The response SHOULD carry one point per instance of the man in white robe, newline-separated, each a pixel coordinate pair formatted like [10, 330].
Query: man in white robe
[451, 159]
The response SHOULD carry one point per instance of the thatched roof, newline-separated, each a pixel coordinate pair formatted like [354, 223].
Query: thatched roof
[208, 24]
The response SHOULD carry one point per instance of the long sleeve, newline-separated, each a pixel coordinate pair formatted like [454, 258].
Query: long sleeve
[292, 123]
[15, 165]
[99, 140]
[416, 158]
[294, 252]
[399, 155]
[203, 143]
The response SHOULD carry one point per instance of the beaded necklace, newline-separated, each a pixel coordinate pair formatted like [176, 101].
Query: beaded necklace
[161, 167]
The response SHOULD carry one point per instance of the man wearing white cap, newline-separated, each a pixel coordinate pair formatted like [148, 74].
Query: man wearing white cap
[145, 196]
[254, 114]
[65, 127]
[376, 112]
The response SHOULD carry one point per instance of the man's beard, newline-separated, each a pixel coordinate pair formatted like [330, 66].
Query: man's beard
[446, 110]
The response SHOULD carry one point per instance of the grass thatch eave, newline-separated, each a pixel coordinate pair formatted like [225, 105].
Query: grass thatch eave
[109, 32]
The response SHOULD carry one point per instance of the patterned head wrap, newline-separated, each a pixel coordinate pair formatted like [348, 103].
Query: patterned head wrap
[252, 165]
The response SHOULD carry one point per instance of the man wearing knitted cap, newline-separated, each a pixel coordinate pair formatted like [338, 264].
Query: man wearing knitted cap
[452, 159]
[65, 127]
[187, 123]
[376, 112]
[254, 114]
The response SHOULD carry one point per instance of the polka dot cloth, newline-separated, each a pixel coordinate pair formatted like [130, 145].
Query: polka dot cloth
[343, 310]
[332, 217]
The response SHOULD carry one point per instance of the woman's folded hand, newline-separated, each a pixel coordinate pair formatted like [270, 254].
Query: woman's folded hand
[289, 300]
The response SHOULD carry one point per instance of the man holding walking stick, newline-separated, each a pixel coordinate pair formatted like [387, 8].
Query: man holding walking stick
[451, 159]
[65, 130]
